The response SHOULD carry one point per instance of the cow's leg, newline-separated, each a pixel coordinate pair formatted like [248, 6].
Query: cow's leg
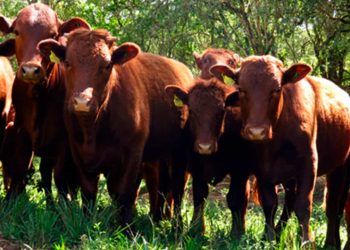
[46, 166]
[200, 193]
[237, 200]
[126, 189]
[165, 198]
[16, 154]
[289, 199]
[89, 188]
[337, 190]
[151, 174]
[65, 175]
[269, 202]
[304, 194]
[178, 183]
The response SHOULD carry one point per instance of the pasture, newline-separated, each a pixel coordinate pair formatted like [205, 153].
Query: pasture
[114, 116]
[26, 223]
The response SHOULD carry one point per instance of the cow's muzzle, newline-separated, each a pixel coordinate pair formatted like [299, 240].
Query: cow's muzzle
[206, 148]
[83, 102]
[257, 133]
[31, 72]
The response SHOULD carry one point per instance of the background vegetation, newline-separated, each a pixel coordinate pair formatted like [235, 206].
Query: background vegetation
[313, 31]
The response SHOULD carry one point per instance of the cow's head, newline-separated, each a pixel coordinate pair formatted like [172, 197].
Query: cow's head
[33, 24]
[206, 101]
[261, 80]
[89, 58]
[211, 57]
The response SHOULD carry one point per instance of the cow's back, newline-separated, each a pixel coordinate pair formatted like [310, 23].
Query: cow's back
[154, 73]
[333, 118]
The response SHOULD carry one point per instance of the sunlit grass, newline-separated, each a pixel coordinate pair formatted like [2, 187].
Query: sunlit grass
[26, 220]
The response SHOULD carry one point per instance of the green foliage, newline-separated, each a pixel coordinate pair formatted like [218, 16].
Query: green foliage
[316, 32]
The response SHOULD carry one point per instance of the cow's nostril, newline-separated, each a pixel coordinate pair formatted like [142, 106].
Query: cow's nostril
[23, 70]
[75, 101]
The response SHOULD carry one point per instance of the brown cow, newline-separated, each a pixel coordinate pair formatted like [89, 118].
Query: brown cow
[117, 113]
[38, 97]
[215, 131]
[296, 118]
[213, 56]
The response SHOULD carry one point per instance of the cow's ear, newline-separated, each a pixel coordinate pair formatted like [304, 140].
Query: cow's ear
[49, 46]
[198, 59]
[125, 52]
[224, 73]
[5, 25]
[232, 99]
[177, 94]
[73, 24]
[8, 48]
[295, 73]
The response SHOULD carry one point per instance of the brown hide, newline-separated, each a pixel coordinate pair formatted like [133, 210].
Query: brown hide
[212, 56]
[117, 111]
[217, 147]
[304, 123]
[38, 97]
[6, 82]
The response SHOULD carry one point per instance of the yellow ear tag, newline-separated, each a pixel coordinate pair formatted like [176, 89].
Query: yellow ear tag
[177, 101]
[228, 80]
[54, 58]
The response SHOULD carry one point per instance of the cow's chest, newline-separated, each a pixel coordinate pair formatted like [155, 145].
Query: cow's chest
[281, 162]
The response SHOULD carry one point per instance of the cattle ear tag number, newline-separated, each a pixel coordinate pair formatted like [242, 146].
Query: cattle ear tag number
[54, 58]
[228, 80]
[177, 101]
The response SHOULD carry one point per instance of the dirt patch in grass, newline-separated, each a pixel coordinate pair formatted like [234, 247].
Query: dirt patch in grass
[8, 245]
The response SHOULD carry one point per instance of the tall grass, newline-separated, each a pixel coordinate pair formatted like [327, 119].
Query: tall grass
[28, 222]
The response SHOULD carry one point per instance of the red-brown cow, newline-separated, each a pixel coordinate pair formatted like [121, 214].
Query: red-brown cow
[38, 97]
[303, 123]
[215, 132]
[117, 113]
[213, 56]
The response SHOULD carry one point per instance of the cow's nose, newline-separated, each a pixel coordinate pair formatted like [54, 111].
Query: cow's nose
[82, 102]
[256, 133]
[205, 148]
[31, 72]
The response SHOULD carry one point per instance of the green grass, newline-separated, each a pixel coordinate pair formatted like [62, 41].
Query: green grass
[27, 221]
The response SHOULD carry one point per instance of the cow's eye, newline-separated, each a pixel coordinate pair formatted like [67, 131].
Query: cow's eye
[109, 66]
[231, 63]
[206, 60]
[277, 90]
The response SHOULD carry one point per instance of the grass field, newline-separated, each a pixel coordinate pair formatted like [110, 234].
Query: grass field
[26, 223]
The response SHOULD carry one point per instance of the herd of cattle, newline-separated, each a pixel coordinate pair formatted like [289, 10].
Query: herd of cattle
[131, 115]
